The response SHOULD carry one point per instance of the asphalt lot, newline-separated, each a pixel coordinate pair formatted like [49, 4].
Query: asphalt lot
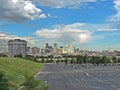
[66, 77]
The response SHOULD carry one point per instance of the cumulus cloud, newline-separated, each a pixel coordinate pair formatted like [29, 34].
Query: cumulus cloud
[7, 37]
[43, 16]
[108, 29]
[19, 10]
[116, 17]
[66, 33]
[63, 3]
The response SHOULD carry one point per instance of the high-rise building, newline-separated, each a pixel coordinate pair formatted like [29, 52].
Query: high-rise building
[71, 49]
[55, 48]
[48, 48]
[17, 47]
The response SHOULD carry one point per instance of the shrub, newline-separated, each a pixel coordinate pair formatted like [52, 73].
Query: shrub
[43, 60]
[33, 84]
[3, 82]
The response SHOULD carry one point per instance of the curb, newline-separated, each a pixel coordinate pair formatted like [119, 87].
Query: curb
[34, 77]
[39, 72]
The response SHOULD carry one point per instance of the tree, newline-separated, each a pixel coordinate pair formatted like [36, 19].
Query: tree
[92, 60]
[115, 60]
[35, 59]
[51, 60]
[57, 61]
[108, 60]
[43, 60]
[85, 59]
[50, 56]
[18, 56]
[79, 59]
[118, 60]
[66, 61]
[47, 60]
[72, 61]
[104, 58]
[3, 82]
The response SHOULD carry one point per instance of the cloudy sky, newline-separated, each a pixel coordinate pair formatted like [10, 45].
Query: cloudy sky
[88, 24]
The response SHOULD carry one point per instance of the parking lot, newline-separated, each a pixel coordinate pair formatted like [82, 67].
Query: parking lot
[78, 77]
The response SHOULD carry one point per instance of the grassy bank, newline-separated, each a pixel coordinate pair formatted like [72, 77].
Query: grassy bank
[16, 69]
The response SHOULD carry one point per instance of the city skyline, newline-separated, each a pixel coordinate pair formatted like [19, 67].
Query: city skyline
[87, 24]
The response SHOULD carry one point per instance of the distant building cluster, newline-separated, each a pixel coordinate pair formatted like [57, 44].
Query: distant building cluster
[70, 50]
[17, 47]
[55, 50]
[51, 50]
[106, 53]
[32, 50]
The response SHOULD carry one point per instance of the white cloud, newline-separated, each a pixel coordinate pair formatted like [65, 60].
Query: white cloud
[51, 16]
[66, 33]
[43, 16]
[63, 3]
[21, 10]
[7, 37]
[74, 7]
[116, 17]
[108, 29]
[2, 35]
[18, 10]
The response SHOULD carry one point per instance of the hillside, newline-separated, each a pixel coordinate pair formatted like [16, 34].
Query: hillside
[16, 69]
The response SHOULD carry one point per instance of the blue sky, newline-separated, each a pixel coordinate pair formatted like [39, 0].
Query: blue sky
[88, 24]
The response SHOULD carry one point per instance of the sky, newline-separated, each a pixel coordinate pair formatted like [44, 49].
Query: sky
[86, 24]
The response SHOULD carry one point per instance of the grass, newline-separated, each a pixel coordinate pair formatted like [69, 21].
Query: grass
[15, 69]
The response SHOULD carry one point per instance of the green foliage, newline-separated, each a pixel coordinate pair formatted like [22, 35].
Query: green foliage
[3, 55]
[66, 61]
[29, 57]
[118, 60]
[35, 60]
[115, 60]
[57, 61]
[3, 82]
[108, 60]
[33, 84]
[85, 59]
[79, 59]
[72, 61]
[43, 60]
[50, 56]
[16, 68]
[104, 58]
[51, 60]
[18, 56]
[47, 61]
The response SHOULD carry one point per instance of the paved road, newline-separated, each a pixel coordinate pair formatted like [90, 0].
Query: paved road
[66, 77]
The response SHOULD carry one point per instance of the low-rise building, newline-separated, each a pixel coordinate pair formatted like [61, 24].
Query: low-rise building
[17, 47]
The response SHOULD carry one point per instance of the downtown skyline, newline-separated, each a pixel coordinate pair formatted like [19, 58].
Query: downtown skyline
[87, 24]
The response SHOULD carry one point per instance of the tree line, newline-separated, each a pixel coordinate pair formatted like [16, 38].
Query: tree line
[93, 60]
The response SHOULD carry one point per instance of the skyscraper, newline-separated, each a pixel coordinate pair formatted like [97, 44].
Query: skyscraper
[55, 48]
[70, 48]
